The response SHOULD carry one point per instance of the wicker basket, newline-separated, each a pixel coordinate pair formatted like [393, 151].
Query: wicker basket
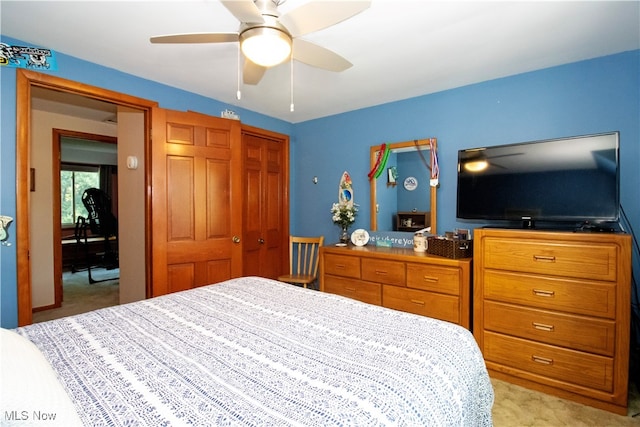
[450, 248]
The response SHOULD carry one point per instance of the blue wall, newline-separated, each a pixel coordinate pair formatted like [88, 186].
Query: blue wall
[410, 165]
[587, 97]
[592, 96]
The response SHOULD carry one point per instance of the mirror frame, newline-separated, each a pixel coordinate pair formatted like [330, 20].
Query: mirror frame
[433, 189]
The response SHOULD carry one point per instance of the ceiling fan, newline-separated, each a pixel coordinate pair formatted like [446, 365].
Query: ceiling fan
[268, 39]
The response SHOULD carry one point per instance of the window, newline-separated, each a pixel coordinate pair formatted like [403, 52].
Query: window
[74, 179]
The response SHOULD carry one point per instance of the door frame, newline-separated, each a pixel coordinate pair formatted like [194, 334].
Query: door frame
[25, 80]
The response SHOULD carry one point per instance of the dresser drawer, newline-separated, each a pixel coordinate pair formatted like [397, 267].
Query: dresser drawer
[439, 306]
[569, 259]
[572, 296]
[381, 271]
[433, 278]
[340, 265]
[578, 332]
[370, 293]
[569, 366]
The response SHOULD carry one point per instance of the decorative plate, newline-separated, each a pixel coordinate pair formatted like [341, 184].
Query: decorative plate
[410, 183]
[360, 237]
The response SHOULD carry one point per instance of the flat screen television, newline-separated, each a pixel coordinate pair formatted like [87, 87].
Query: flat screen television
[566, 180]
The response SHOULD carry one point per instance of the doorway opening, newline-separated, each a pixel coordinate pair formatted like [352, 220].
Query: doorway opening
[133, 115]
[86, 273]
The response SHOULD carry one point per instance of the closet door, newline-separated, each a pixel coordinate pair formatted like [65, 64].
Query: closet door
[266, 203]
[197, 200]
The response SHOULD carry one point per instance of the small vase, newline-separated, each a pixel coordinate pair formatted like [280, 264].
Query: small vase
[344, 234]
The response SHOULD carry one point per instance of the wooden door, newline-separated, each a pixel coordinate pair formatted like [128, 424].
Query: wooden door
[266, 203]
[197, 200]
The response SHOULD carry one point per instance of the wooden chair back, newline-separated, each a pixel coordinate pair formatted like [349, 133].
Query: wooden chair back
[304, 259]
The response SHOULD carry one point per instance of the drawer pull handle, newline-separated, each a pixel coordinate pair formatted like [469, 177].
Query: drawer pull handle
[415, 301]
[429, 279]
[542, 360]
[381, 272]
[543, 258]
[543, 327]
[350, 289]
[542, 293]
[340, 266]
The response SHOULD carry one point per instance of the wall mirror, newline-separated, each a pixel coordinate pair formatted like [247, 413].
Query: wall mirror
[402, 197]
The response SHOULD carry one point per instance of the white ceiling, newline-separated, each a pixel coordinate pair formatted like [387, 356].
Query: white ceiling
[400, 48]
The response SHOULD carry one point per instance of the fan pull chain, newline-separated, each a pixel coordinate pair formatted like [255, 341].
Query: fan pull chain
[291, 107]
[238, 93]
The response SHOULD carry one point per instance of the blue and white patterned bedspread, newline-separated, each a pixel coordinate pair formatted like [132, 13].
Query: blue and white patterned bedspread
[252, 351]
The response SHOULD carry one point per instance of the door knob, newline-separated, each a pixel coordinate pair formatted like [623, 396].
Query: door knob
[261, 240]
[236, 239]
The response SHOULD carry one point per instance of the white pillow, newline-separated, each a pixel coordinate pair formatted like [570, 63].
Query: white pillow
[30, 393]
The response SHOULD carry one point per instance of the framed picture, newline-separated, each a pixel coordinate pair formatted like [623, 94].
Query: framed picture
[392, 175]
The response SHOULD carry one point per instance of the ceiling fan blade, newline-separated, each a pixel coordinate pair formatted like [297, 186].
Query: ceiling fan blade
[252, 73]
[244, 10]
[317, 15]
[196, 38]
[318, 56]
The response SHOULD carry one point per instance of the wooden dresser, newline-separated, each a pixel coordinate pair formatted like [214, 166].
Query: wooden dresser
[401, 279]
[552, 312]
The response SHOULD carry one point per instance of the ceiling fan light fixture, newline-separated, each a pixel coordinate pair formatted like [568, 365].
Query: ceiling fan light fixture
[265, 46]
[476, 165]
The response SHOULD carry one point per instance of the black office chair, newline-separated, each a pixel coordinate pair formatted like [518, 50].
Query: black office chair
[100, 222]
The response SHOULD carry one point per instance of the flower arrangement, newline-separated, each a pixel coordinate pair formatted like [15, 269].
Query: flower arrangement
[344, 214]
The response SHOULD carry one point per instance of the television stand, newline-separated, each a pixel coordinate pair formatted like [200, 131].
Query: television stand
[551, 312]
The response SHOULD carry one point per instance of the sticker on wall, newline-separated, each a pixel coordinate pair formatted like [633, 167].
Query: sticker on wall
[4, 229]
[345, 190]
[410, 183]
[35, 58]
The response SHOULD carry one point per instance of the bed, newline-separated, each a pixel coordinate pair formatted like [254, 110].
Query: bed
[249, 351]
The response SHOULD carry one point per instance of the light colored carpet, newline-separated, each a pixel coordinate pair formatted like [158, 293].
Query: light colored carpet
[516, 406]
[79, 296]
